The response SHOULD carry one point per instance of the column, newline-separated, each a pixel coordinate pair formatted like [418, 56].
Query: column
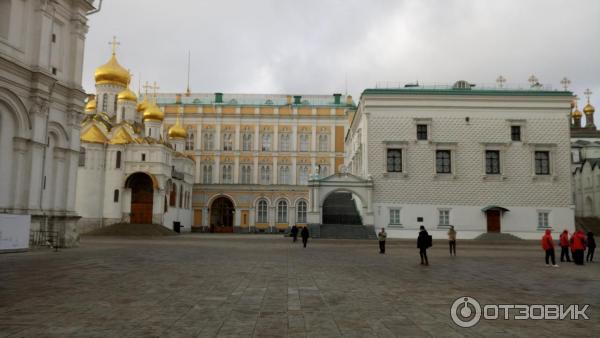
[255, 171]
[294, 140]
[275, 178]
[205, 217]
[217, 170]
[236, 169]
[313, 139]
[218, 135]
[276, 137]
[236, 139]
[293, 178]
[198, 136]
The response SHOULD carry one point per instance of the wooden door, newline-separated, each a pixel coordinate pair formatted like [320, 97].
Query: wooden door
[493, 221]
[141, 213]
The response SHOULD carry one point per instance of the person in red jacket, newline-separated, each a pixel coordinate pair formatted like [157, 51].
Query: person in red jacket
[548, 246]
[578, 247]
[564, 246]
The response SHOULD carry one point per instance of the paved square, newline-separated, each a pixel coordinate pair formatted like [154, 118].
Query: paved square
[265, 286]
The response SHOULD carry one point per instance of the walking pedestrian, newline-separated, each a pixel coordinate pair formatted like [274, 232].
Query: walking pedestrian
[548, 246]
[382, 235]
[423, 242]
[591, 245]
[564, 246]
[578, 247]
[304, 234]
[294, 233]
[452, 240]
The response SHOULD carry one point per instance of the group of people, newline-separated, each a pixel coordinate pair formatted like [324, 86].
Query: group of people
[303, 233]
[424, 242]
[576, 245]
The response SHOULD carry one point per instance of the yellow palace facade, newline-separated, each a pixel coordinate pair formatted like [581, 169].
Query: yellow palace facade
[255, 153]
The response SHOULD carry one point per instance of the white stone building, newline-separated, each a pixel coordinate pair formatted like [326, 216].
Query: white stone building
[41, 104]
[483, 160]
[131, 169]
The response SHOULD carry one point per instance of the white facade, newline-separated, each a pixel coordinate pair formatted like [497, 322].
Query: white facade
[444, 179]
[41, 101]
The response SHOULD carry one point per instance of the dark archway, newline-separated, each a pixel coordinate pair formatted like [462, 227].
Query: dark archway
[142, 194]
[340, 208]
[221, 215]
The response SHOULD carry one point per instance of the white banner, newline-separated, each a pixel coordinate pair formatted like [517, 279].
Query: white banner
[14, 232]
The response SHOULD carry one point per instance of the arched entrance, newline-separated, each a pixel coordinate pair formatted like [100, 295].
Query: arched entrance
[221, 215]
[339, 208]
[141, 198]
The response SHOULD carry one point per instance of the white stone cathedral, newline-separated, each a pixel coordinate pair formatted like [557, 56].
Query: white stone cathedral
[130, 169]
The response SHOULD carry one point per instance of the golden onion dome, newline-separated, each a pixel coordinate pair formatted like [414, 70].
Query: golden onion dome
[589, 109]
[576, 113]
[90, 106]
[127, 95]
[112, 73]
[153, 113]
[142, 106]
[177, 131]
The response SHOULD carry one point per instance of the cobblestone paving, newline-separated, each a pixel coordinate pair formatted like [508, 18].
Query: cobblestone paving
[265, 286]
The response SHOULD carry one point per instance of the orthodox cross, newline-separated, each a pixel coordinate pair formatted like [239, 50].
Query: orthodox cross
[500, 81]
[114, 44]
[587, 94]
[565, 82]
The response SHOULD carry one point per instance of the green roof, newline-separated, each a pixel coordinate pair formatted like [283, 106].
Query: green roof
[471, 91]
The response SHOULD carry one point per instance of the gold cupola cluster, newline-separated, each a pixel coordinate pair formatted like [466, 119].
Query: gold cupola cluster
[153, 113]
[127, 95]
[177, 131]
[90, 106]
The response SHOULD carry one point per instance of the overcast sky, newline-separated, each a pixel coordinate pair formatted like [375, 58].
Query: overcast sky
[312, 47]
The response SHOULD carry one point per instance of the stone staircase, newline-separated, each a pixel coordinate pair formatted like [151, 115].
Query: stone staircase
[588, 224]
[339, 208]
[347, 231]
[497, 236]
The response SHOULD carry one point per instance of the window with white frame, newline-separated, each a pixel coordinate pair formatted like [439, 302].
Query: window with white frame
[266, 142]
[284, 174]
[189, 142]
[282, 212]
[443, 162]
[303, 174]
[247, 142]
[207, 141]
[262, 212]
[304, 142]
[246, 174]
[394, 216]
[444, 218]
[301, 211]
[207, 174]
[265, 174]
[324, 142]
[542, 163]
[227, 142]
[227, 173]
[543, 217]
[284, 142]
[492, 162]
[394, 160]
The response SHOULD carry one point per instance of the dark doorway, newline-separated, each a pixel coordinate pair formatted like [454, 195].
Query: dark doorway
[141, 198]
[221, 215]
[493, 220]
[339, 208]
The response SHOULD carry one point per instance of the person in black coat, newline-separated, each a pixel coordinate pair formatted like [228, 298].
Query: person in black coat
[304, 234]
[591, 246]
[294, 233]
[423, 242]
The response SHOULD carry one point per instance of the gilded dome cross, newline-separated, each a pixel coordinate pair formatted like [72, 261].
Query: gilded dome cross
[114, 44]
[565, 82]
[587, 94]
[500, 81]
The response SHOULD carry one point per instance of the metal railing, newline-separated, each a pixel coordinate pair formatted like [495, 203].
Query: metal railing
[40, 238]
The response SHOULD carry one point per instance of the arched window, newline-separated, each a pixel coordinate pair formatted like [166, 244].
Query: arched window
[207, 174]
[303, 174]
[122, 113]
[207, 140]
[227, 171]
[247, 142]
[323, 143]
[104, 102]
[173, 195]
[115, 104]
[189, 143]
[301, 218]
[82, 157]
[227, 142]
[118, 162]
[246, 174]
[266, 142]
[180, 197]
[116, 196]
[323, 170]
[304, 138]
[282, 214]
[166, 203]
[265, 174]
[284, 174]
[284, 142]
[262, 212]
